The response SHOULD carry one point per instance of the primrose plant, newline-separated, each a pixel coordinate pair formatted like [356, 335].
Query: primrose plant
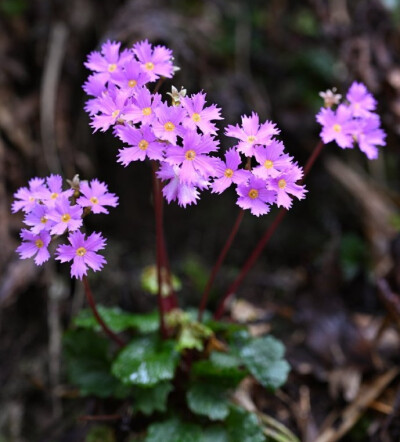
[176, 372]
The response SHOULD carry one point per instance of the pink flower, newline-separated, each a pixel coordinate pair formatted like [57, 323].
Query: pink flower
[368, 135]
[131, 77]
[200, 116]
[362, 103]
[272, 160]
[168, 124]
[176, 190]
[82, 253]
[34, 245]
[336, 126]
[143, 144]
[141, 109]
[111, 107]
[28, 197]
[285, 185]
[251, 133]
[193, 157]
[228, 172]
[255, 196]
[96, 196]
[108, 61]
[65, 217]
[37, 219]
[155, 61]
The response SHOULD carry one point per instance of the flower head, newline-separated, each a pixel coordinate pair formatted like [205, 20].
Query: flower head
[34, 245]
[252, 133]
[362, 103]
[200, 116]
[336, 125]
[82, 253]
[65, 217]
[255, 196]
[155, 61]
[96, 195]
[27, 197]
[228, 172]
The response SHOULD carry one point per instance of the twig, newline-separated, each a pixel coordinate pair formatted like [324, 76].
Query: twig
[354, 411]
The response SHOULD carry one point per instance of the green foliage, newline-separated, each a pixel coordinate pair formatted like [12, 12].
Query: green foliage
[182, 384]
[244, 426]
[264, 359]
[145, 361]
[190, 334]
[208, 399]
[89, 365]
[148, 400]
[118, 320]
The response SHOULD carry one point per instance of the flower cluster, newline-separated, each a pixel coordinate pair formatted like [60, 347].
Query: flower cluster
[352, 122]
[51, 211]
[182, 136]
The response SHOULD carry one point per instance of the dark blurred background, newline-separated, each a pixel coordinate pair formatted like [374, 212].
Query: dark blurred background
[321, 267]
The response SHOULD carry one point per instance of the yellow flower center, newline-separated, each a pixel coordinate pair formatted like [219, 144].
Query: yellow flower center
[54, 195]
[39, 243]
[169, 127]
[282, 183]
[132, 83]
[268, 164]
[143, 144]
[66, 217]
[112, 67]
[190, 155]
[228, 173]
[81, 251]
[253, 194]
[43, 220]
[337, 128]
[94, 200]
[149, 66]
[115, 113]
[146, 111]
[31, 199]
[196, 117]
[251, 138]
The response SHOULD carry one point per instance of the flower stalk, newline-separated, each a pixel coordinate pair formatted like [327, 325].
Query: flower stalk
[99, 319]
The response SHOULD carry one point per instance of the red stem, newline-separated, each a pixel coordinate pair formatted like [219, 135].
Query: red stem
[159, 247]
[218, 264]
[264, 240]
[99, 319]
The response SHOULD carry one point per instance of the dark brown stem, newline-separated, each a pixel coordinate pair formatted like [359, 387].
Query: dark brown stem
[99, 319]
[263, 241]
[218, 264]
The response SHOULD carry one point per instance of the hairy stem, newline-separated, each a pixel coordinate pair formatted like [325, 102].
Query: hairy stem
[263, 241]
[99, 319]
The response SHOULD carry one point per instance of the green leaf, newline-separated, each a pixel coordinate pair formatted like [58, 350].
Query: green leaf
[220, 367]
[221, 326]
[216, 433]
[146, 361]
[89, 366]
[264, 358]
[174, 430]
[208, 399]
[244, 426]
[118, 320]
[148, 400]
